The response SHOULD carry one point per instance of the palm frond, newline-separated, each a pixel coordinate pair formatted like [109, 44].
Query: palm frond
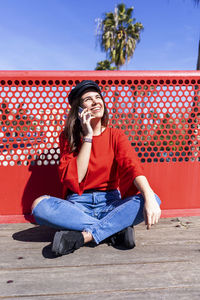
[120, 34]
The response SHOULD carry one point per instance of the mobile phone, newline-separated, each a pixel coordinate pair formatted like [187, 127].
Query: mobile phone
[80, 109]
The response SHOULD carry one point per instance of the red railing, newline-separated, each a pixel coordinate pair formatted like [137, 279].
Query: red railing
[159, 112]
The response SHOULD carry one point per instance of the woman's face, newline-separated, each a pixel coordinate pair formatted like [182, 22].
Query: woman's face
[94, 103]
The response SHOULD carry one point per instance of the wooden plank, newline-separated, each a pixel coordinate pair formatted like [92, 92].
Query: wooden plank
[152, 294]
[98, 278]
[164, 265]
[182, 293]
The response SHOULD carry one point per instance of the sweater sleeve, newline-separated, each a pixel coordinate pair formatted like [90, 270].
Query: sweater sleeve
[68, 167]
[128, 165]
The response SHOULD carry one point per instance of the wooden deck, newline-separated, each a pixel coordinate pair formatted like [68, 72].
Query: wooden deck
[165, 264]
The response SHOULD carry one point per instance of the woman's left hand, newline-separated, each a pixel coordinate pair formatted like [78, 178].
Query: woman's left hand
[152, 211]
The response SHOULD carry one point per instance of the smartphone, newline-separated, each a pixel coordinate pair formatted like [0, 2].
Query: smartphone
[80, 109]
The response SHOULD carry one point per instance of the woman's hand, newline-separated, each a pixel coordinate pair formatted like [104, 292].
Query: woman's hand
[152, 211]
[85, 118]
[83, 157]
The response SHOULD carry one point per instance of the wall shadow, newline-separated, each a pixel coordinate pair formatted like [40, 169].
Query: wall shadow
[44, 180]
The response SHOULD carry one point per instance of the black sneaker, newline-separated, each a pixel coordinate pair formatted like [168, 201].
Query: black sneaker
[66, 242]
[124, 238]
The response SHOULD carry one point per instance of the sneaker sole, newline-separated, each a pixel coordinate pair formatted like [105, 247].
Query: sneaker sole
[56, 242]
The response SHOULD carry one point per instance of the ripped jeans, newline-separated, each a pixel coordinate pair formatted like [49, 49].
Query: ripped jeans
[100, 213]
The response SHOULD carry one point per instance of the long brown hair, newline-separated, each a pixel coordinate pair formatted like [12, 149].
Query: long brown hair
[73, 130]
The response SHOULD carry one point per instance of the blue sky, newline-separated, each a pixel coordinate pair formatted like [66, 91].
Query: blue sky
[60, 34]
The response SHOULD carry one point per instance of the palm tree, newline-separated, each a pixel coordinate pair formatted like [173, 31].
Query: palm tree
[119, 35]
[104, 65]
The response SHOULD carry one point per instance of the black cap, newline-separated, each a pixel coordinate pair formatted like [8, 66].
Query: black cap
[81, 87]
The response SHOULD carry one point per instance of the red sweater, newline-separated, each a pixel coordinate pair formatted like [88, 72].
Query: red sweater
[113, 164]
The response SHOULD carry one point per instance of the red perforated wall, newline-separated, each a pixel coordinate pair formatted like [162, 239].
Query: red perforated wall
[159, 112]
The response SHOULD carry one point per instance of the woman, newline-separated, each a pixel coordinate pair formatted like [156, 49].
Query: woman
[95, 162]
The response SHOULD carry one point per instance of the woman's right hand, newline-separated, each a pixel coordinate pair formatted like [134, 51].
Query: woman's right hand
[85, 150]
[85, 118]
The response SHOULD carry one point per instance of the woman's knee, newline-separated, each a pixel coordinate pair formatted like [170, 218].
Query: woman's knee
[38, 200]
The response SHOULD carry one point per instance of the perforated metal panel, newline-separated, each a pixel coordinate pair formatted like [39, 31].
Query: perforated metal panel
[158, 111]
[159, 116]
[32, 116]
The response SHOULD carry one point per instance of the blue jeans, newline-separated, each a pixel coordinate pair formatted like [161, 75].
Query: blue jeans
[100, 213]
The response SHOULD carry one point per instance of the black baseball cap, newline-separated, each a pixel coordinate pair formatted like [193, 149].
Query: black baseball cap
[81, 87]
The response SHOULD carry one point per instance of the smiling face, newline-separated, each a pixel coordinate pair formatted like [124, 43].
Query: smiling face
[94, 103]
